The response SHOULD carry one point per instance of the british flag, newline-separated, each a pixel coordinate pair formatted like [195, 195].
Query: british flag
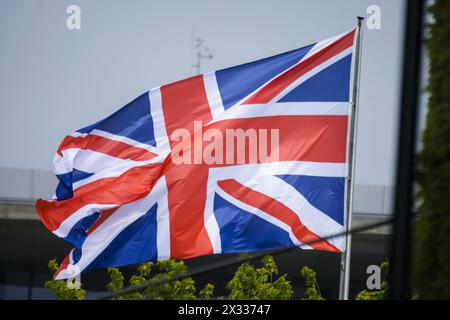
[121, 198]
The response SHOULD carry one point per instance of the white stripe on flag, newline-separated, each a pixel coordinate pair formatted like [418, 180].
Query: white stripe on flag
[159, 127]
[285, 109]
[163, 221]
[248, 171]
[211, 225]
[213, 94]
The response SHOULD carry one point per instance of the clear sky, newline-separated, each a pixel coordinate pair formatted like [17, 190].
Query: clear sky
[54, 80]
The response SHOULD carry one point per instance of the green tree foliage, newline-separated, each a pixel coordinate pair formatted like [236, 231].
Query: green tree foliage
[249, 282]
[432, 243]
[207, 291]
[381, 294]
[254, 283]
[312, 287]
[60, 289]
[183, 289]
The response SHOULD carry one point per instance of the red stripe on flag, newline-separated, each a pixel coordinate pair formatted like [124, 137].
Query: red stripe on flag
[130, 186]
[107, 146]
[186, 198]
[274, 87]
[301, 138]
[183, 103]
[277, 210]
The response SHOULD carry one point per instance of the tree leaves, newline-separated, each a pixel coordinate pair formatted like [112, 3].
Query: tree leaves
[431, 268]
[249, 283]
[253, 283]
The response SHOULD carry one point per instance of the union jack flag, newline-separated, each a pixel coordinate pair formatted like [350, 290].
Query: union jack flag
[122, 200]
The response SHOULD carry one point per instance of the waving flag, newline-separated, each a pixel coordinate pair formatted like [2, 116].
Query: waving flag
[124, 196]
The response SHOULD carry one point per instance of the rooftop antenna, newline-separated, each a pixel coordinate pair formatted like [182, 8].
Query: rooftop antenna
[202, 53]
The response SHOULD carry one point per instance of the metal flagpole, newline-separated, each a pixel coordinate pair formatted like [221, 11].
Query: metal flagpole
[345, 256]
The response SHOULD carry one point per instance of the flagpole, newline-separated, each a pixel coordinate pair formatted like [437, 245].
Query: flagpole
[344, 282]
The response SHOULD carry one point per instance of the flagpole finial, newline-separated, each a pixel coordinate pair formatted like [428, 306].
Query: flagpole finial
[360, 20]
